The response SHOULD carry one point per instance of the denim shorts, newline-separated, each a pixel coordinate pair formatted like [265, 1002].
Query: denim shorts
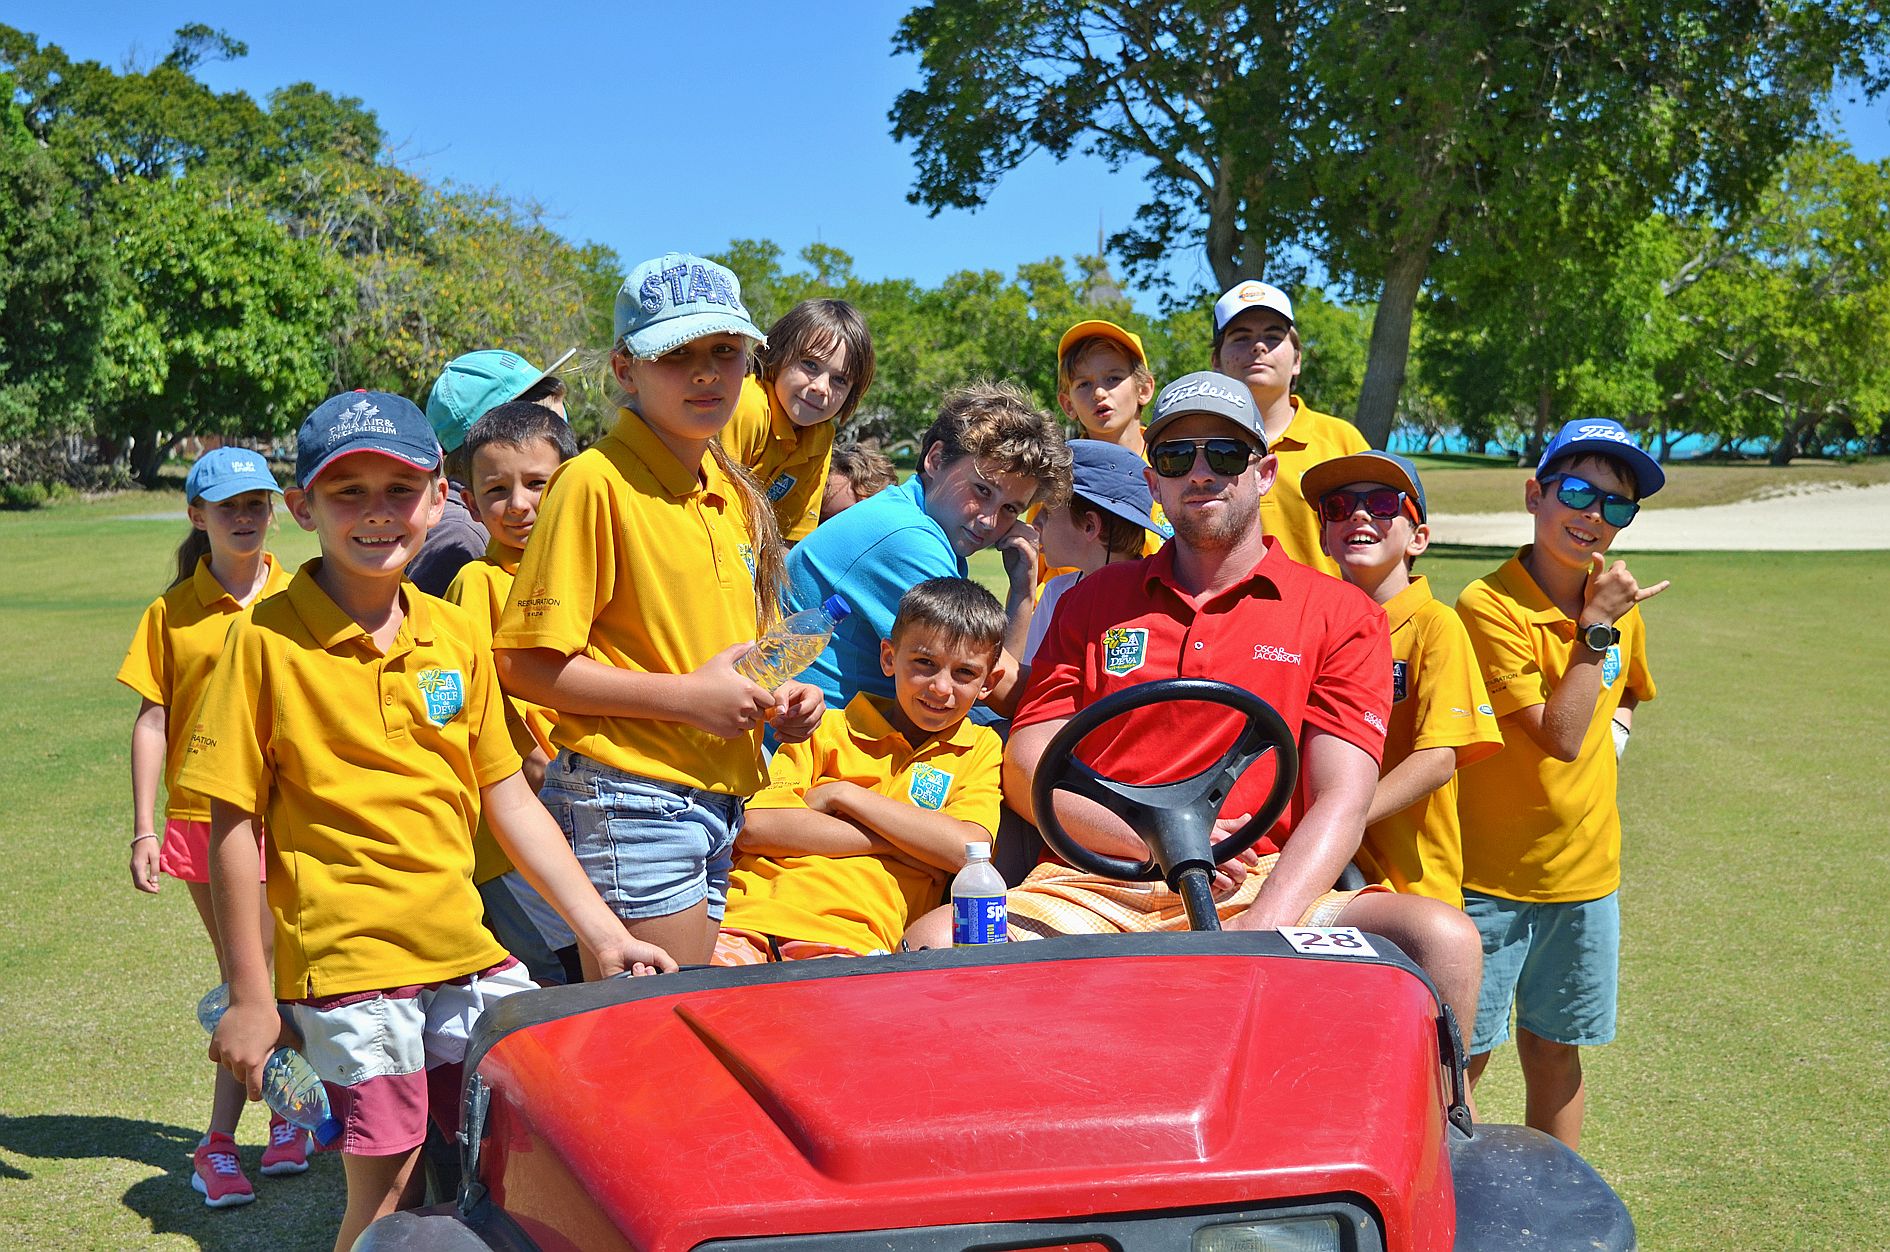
[1558, 963]
[650, 848]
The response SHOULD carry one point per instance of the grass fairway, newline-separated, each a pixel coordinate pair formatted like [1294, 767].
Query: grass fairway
[1741, 1107]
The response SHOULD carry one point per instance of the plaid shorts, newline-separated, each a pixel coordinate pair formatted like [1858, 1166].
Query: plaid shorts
[1058, 900]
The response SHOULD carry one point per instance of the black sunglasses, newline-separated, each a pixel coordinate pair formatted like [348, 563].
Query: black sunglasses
[1227, 457]
[1383, 503]
[1580, 494]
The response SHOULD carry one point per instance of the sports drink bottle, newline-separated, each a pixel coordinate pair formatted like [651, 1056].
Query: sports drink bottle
[792, 645]
[290, 1084]
[978, 912]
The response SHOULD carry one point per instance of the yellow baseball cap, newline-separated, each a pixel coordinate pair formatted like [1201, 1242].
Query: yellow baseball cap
[1101, 330]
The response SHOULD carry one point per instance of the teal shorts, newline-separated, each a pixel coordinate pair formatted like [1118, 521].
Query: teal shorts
[1558, 964]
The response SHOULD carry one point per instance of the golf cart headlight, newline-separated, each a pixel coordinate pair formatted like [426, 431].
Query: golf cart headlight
[1288, 1234]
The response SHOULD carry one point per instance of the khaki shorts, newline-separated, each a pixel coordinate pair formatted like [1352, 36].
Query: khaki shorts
[1058, 900]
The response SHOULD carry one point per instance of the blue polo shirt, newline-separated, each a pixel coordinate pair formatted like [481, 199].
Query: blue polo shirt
[870, 555]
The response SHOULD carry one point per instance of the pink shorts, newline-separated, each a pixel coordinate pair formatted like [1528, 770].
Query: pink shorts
[389, 1058]
[185, 854]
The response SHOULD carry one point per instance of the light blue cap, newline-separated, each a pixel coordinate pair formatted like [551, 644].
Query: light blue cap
[475, 383]
[224, 472]
[676, 297]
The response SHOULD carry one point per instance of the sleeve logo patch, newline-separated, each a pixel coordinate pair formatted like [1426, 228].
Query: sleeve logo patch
[1400, 675]
[444, 692]
[780, 487]
[1611, 665]
[1125, 649]
[929, 786]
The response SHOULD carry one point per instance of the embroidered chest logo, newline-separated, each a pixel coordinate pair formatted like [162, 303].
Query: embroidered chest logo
[748, 557]
[1400, 676]
[780, 487]
[444, 692]
[929, 786]
[1274, 652]
[1611, 665]
[1125, 649]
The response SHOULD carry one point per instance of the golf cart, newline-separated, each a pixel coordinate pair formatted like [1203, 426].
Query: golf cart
[1220, 1092]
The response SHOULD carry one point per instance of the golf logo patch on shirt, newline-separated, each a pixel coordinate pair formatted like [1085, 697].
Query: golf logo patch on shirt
[780, 487]
[1400, 672]
[929, 786]
[748, 557]
[1611, 665]
[445, 694]
[1125, 649]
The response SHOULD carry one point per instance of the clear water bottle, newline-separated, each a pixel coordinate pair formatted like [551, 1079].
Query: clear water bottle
[978, 910]
[290, 1084]
[792, 645]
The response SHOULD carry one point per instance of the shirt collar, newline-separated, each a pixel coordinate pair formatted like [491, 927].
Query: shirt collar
[868, 721]
[779, 423]
[503, 555]
[1515, 582]
[329, 626]
[675, 478]
[1400, 608]
[1268, 573]
[211, 593]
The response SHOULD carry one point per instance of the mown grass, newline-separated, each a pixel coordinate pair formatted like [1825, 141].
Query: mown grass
[1451, 488]
[1741, 1106]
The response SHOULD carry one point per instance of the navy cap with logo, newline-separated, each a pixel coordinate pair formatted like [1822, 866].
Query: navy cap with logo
[1205, 391]
[1603, 436]
[1110, 477]
[1365, 467]
[364, 421]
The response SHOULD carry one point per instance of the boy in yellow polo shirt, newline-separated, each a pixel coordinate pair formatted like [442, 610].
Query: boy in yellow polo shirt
[361, 720]
[508, 457]
[1257, 342]
[1372, 508]
[816, 365]
[1559, 636]
[862, 826]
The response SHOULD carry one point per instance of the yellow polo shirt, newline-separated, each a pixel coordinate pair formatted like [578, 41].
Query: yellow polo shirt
[1438, 701]
[789, 461]
[366, 768]
[644, 563]
[482, 588]
[862, 902]
[1535, 828]
[177, 644]
[1310, 438]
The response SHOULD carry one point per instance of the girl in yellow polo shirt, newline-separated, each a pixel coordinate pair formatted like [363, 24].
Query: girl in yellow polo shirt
[655, 562]
[223, 568]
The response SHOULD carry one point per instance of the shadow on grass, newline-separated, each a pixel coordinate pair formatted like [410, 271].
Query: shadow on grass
[293, 1212]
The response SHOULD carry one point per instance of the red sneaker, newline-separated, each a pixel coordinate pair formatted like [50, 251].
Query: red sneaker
[216, 1175]
[287, 1152]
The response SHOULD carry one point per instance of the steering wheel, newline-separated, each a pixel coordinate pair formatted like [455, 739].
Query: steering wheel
[1176, 819]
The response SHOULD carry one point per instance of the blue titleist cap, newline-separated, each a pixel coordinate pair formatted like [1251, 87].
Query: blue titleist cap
[1603, 436]
[668, 301]
[1365, 467]
[364, 421]
[224, 472]
[1111, 478]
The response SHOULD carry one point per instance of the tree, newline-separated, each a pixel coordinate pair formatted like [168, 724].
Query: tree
[1376, 134]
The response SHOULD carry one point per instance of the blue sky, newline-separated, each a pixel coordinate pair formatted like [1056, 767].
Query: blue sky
[649, 126]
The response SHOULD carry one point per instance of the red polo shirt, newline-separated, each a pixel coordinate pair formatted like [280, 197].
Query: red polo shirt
[1313, 647]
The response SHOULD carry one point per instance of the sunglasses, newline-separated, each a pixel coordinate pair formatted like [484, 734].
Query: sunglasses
[1227, 457]
[1383, 503]
[1580, 494]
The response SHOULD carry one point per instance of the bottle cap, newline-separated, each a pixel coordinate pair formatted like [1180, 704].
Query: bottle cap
[977, 852]
[326, 1133]
[835, 607]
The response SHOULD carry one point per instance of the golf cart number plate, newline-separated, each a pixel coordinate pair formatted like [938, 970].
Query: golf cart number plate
[1328, 941]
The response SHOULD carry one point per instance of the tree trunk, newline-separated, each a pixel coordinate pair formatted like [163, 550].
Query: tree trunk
[148, 448]
[1788, 439]
[1390, 347]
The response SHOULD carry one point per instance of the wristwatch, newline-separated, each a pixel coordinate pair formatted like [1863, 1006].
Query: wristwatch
[1599, 637]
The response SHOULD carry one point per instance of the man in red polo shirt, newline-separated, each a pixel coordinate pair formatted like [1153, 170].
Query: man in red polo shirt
[1223, 601]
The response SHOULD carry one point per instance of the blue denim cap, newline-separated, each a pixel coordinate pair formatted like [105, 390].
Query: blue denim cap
[1205, 391]
[224, 472]
[363, 421]
[1112, 478]
[1365, 467]
[666, 302]
[1603, 436]
[474, 384]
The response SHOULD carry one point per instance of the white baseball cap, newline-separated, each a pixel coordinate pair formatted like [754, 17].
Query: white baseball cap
[1250, 294]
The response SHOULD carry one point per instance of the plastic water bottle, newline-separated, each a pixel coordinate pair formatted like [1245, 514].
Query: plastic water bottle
[978, 911]
[792, 645]
[290, 1084]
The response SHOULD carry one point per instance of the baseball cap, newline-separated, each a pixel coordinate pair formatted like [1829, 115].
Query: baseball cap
[1205, 391]
[1606, 437]
[676, 297]
[1096, 329]
[1250, 294]
[476, 382]
[363, 421]
[1110, 477]
[224, 472]
[1365, 467]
